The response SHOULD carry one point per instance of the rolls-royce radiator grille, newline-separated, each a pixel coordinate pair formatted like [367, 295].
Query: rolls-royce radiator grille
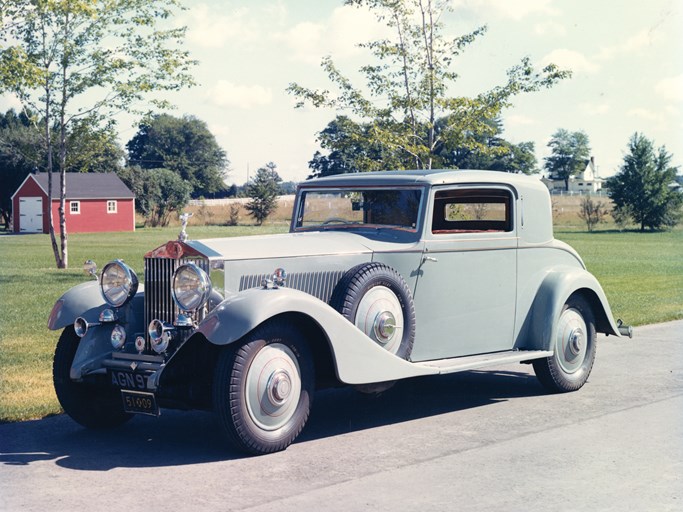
[318, 284]
[159, 303]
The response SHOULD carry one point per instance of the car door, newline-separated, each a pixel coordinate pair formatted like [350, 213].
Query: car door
[466, 289]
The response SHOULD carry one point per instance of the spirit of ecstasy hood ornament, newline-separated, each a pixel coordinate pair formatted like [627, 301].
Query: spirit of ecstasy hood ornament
[183, 223]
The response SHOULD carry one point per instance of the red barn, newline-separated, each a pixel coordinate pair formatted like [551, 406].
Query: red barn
[94, 202]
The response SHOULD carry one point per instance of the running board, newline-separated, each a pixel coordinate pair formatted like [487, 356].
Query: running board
[461, 364]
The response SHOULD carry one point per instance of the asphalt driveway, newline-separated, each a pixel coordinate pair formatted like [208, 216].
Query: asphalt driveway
[471, 441]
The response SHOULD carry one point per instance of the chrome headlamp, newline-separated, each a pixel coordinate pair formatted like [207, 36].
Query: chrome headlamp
[191, 287]
[118, 283]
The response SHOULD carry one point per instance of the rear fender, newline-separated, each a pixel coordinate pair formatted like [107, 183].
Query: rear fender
[560, 284]
[357, 359]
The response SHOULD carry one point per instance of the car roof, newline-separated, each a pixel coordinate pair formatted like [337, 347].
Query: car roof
[423, 177]
[538, 227]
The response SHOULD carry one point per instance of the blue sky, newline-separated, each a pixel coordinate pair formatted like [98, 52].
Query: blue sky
[627, 59]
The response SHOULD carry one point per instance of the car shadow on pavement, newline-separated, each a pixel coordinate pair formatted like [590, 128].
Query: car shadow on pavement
[346, 410]
[192, 437]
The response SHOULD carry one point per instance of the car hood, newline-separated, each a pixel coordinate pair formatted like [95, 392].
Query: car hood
[285, 245]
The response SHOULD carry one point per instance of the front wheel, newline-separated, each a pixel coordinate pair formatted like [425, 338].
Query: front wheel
[264, 387]
[89, 404]
[574, 349]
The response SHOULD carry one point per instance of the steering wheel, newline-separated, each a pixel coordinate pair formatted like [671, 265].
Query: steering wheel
[336, 220]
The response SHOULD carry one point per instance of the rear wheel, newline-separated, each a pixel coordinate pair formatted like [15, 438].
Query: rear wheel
[263, 388]
[91, 405]
[574, 349]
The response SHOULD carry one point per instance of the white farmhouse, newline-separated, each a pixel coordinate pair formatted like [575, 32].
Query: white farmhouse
[586, 182]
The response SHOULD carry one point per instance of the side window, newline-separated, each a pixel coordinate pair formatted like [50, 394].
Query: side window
[472, 211]
[75, 207]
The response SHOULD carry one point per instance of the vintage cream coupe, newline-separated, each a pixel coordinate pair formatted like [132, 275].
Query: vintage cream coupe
[383, 276]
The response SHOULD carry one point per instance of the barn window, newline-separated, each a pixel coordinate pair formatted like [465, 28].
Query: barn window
[75, 207]
[111, 206]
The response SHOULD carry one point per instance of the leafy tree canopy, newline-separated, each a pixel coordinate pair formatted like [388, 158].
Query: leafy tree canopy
[408, 89]
[89, 149]
[159, 193]
[351, 148]
[183, 145]
[71, 60]
[642, 189]
[570, 152]
[19, 155]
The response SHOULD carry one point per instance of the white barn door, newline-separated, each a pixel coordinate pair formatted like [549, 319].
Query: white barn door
[31, 214]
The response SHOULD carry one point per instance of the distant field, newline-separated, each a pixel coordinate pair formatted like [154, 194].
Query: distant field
[642, 275]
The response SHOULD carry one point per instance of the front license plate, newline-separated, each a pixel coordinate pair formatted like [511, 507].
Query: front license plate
[139, 402]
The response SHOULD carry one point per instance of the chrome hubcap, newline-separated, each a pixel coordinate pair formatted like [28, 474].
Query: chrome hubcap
[385, 327]
[380, 317]
[576, 341]
[571, 343]
[273, 386]
[279, 387]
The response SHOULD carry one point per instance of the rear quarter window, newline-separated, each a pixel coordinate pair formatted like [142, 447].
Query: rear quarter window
[472, 211]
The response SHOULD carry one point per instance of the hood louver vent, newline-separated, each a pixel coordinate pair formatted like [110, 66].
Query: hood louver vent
[318, 284]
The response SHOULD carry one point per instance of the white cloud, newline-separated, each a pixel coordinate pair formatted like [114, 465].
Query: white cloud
[518, 120]
[643, 113]
[228, 94]
[339, 35]
[592, 109]
[207, 29]
[220, 130]
[550, 28]
[9, 101]
[570, 59]
[508, 9]
[671, 88]
[633, 44]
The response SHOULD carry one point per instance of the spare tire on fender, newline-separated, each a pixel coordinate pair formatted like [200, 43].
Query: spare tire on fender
[377, 300]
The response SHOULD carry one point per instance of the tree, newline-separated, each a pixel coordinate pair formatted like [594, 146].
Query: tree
[184, 145]
[22, 152]
[350, 149]
[263, 190]
[159, 193]
[85, 60]
[93, 149]
[642, 188]
[409, 86]
[570, 153]
[19, 156]
[489, 151]
[592, 212]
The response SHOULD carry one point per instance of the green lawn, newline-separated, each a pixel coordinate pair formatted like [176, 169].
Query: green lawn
[642, 274]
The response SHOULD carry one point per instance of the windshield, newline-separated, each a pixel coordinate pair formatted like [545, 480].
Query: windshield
[353, 208]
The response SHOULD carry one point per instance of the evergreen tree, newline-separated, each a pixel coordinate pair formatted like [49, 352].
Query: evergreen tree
[642, 189]
[263, 190]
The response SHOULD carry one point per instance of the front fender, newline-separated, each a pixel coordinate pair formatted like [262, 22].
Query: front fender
[83, 300]
[558, 285]
[358, 359]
